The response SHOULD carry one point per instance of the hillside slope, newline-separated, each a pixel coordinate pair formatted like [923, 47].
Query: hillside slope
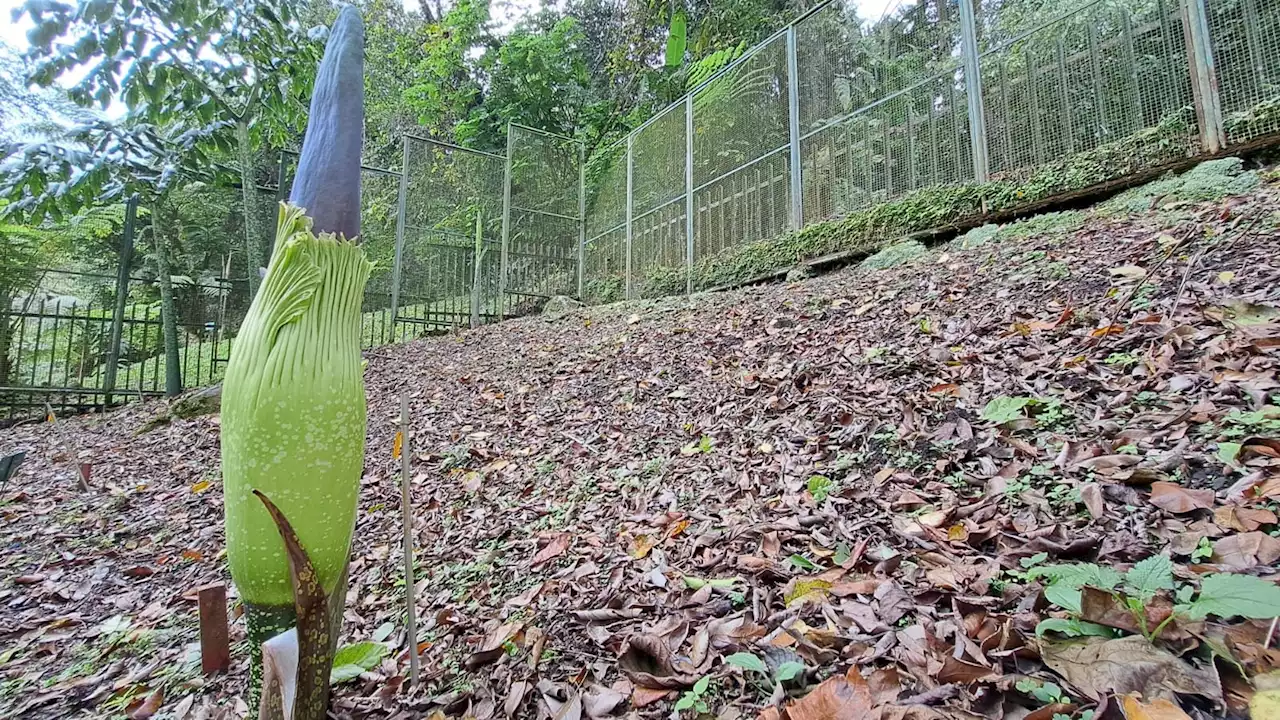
[873, 464]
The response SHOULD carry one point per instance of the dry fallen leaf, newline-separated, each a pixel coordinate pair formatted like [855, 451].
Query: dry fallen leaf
[559, 543]
[1100, 667]
[1158, 709]
[1246, 550]
[646, 661]
[1177, 499]
[840, 697]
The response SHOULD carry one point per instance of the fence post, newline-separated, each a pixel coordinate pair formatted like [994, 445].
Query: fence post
[506, 229]
[689, 207]
[793, 112]
[582, 218]
[397, 268]
[973, 91]
[630, 203]
[1204, 78]
[122, 299]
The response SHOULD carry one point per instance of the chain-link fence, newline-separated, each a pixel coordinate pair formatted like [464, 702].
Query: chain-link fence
[451, 237]
[542, 229]
[836, 116]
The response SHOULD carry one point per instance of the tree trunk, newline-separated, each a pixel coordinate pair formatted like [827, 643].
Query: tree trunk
[168, 310]
[254, 252]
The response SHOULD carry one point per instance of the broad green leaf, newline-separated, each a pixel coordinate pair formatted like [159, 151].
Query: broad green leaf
[1004, 409]
[365, 655]
[1230, 595]
[1072, 627]
[1030, 562]
[701, 686]
[1064, 597]
[344, 673]
[677, 38]
[802, 562]
[747, 661]
[1077, 575]
[384, 631]
[842, 553]
[1150, 576]
[686, 701]
[787, 671]
[1229, 451]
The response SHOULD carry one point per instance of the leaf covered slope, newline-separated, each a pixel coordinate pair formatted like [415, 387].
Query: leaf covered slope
[929, 490]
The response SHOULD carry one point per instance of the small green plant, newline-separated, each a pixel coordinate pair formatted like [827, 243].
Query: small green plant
[1046, 692]
[351, 660]
[693, 698]
[703, 446]
[1223, 594]
[1203, 551]
[1122, 359]
[1057, 270]
[820, 487]
[786, 672]
[1005, 409]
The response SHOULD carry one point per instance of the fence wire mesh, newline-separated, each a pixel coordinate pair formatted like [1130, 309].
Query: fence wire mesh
[446, 281]
[1245, 36]
[544, 220]
[606, 224]
[1096, 77]
[882, 108]
[658, 214]
[740, 159]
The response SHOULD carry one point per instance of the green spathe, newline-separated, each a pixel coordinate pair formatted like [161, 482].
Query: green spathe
[293, 412]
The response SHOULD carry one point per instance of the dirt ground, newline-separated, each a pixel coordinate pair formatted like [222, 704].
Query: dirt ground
[860, 495]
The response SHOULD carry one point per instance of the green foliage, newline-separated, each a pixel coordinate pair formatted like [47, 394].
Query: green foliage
[747, 661]
[1229, 595]
[895, 255]
[1210, 180]
[351, 660]
[1005, 409]
[1225, 595]
[693, 698]
[1046, 692]
[801, 562]
[677, 38]
[820, 487]
[978, 236]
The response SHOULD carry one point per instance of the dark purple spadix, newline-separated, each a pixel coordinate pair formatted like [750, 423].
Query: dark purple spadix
[327, 183]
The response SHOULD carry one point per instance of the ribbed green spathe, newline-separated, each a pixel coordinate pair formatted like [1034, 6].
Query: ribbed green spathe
[293, 411]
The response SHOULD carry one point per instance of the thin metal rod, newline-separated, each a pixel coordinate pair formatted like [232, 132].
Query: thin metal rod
[541, 132]
[506, 228]
[548, 213]
[397, 269]
[688, 194]
[630, 209]
[973, 91]
[793, 112]
[406, 521]
[582, 218]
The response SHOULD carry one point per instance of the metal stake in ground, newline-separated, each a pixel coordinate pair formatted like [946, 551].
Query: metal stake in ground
[406, 520]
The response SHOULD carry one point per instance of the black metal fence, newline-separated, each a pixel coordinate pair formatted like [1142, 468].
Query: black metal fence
[68, 346]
